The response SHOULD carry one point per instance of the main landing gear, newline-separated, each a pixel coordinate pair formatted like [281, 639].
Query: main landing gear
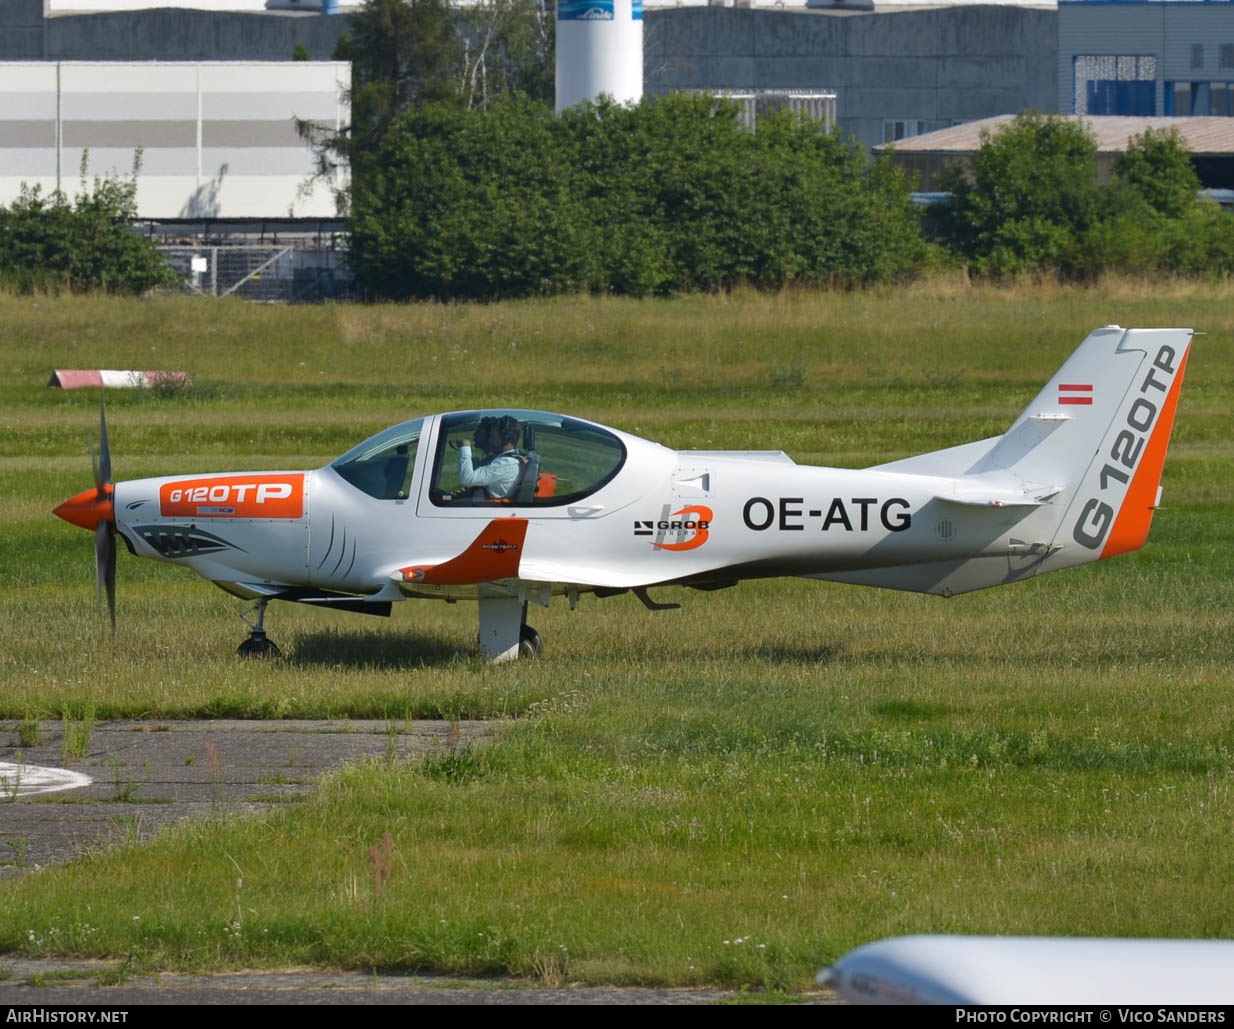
[504, 632]
[258, 644]
[529, 642]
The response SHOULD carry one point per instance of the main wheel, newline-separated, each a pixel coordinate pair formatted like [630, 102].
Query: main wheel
[529, 642]
[258, 646]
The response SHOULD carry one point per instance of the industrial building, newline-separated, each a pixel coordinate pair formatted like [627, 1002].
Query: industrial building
[162, 30]
[213, 139]
[896, 70]
[1146, 57]
[213, 104]
[219, 156]
[1210, 140]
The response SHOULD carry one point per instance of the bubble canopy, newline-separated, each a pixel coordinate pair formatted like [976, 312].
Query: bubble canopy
[563, 459]
[381, 466]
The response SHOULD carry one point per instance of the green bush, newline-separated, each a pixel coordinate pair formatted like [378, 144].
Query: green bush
[470, 204]
[50, 243]
[1030, 201]
[1154, 221]
[667, 196]
[1155, 172]
[1026, 199]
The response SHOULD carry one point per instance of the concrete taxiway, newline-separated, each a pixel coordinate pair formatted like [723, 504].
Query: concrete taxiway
[79, 983]
[134, 778]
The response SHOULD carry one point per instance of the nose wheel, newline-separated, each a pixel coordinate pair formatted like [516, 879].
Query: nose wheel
[258, 644]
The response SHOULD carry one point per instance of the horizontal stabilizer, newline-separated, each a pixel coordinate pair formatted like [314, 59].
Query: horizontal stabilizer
[969, 495]
[1004, 970]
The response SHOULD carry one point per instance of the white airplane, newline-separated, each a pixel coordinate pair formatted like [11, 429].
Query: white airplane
[564, 506]
[1038, 970]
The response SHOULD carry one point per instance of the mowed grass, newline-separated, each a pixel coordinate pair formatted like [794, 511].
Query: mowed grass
[735, 793]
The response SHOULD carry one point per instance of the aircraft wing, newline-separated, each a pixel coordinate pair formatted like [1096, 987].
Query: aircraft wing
[493, 556]
[497, 556]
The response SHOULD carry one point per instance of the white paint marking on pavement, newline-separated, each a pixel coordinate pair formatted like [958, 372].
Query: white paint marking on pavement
[26, 780]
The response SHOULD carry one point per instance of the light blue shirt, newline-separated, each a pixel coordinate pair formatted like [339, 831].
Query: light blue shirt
[498, 474]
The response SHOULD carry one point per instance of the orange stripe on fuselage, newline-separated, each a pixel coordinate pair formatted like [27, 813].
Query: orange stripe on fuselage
[495, 554]
[1130, 530]
[234, 496]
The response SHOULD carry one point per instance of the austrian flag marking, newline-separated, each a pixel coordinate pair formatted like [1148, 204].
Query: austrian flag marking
[1075, 393]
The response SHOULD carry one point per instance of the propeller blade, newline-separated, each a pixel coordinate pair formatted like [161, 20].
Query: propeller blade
[95, 509]
[102, 474]
[104, 532]
[105, 567]
[94, 463]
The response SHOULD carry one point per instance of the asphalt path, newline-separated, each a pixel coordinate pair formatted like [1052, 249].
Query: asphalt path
[137, 777]
[24, 988]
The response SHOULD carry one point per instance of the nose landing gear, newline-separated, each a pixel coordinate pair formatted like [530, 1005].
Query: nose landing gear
[258, 644]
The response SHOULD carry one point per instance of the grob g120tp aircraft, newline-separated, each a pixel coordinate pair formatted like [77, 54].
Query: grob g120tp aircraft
[595, 510]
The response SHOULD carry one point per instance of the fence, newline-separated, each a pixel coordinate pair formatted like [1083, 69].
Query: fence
[271, 273]
[820, 105]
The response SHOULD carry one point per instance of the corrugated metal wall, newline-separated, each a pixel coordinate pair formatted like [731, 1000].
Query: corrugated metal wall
[217, 139]
[938, 67]
[1167, 31]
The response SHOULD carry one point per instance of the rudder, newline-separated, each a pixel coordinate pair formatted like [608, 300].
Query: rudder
[1110, 504]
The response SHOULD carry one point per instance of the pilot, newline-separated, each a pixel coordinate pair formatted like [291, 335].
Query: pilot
[500, 472]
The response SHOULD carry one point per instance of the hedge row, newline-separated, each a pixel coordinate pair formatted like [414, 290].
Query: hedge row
[673, 195]
[670, 195]
[1030, 200]
[48, 242]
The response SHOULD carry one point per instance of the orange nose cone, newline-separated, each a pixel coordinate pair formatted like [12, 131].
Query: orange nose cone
[88, 509]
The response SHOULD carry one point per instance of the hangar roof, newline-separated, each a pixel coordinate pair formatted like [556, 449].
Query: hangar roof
[1206, 135]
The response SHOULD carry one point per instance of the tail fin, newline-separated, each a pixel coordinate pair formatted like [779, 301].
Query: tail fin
[1080, 468]
[1118, 484]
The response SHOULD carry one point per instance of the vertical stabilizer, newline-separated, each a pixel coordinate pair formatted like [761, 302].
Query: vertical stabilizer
[1075, 478]
[1110, 502]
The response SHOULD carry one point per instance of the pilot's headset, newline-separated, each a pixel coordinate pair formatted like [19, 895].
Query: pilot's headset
[508, 428]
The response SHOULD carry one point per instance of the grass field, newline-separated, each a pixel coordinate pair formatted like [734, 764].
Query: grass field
[735, 793]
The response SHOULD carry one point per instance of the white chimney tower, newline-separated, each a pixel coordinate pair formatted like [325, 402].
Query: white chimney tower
[599, 50]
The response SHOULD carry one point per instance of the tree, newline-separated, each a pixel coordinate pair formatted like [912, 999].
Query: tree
[1156, 170]
[508, 47]
[1155, 222]
[408, 53]
[46, 242]
[1026, 199]
[402, 53]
